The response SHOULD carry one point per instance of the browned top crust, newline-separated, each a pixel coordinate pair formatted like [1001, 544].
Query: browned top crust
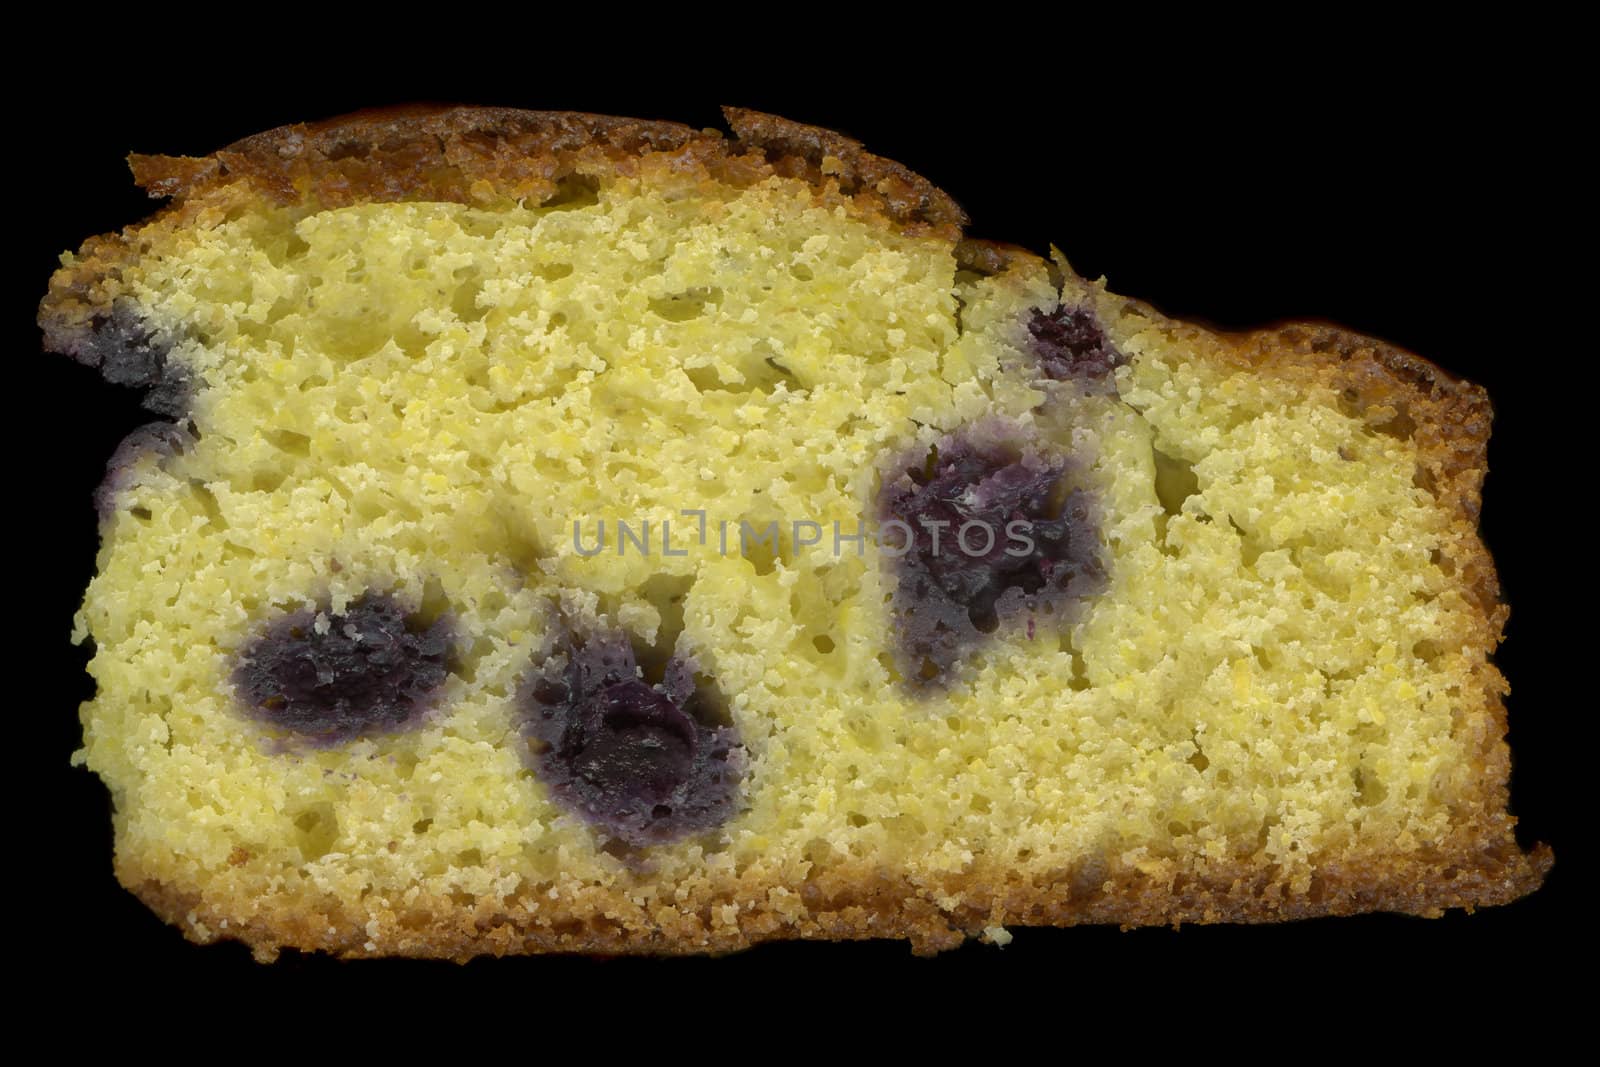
[476, 154]
[799, 151]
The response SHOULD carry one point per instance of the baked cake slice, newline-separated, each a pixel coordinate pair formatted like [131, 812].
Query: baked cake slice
[581, 534]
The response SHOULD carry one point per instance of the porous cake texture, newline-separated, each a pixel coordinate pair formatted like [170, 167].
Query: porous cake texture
[542, 551]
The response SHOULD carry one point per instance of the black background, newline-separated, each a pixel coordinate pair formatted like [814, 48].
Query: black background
[1418, 192]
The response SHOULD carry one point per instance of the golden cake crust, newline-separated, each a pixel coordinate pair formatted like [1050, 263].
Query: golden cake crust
[473, 154]
[865, 902]
[492, 155]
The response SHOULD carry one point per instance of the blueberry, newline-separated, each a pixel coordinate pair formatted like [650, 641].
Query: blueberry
[374, 670]
[1031, 542]
[1070, 344]
[630, 740]
[647, 764]
[127, 353]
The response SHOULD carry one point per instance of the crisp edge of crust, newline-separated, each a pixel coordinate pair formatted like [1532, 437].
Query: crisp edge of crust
[861, 902]
[484, 154]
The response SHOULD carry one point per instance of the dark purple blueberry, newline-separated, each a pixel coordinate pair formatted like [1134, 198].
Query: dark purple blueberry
[127, 353]
[645, 763]
[161, 439]
[373, 671]
[632, 740]
[1028, 542]
[1070, 344]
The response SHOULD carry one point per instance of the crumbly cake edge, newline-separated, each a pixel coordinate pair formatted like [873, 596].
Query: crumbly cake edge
[491, 153]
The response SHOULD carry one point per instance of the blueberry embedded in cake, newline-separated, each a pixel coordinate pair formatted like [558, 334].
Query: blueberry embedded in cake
[334, 676]
[1070, 345]
[127, 352]
[985, 530]
[644, 763]
[1206, 637]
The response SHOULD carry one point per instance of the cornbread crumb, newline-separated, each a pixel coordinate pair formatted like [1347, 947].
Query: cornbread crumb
[433, 359]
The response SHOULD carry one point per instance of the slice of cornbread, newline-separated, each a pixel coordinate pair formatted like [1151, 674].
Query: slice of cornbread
[581, 534]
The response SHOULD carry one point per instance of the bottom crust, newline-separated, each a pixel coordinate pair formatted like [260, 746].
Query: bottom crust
[859, 903]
